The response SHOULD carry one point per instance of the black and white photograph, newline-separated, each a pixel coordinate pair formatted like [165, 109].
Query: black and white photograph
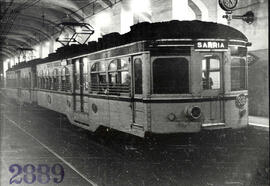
[134, 93]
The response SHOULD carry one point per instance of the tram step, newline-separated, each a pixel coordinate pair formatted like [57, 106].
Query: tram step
[137, 126]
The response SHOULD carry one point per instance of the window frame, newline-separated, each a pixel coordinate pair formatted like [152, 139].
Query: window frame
[220, 70]
[133, 74]
[153, 58]
[66, 76]
[119, 71]
[246, 73]
[98, 72]
[55, 76]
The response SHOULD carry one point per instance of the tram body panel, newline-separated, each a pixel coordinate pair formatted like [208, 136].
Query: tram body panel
[162, 123]
[55, 101]
[236, 117]
[98, 112]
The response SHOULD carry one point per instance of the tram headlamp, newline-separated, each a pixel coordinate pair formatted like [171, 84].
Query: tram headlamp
[193, 112]
[171, 117]
[240, 100]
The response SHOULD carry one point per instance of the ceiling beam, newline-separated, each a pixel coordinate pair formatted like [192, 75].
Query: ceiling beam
[30, 28]
[26, 37]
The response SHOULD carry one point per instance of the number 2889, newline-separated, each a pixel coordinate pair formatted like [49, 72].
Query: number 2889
[42, 173]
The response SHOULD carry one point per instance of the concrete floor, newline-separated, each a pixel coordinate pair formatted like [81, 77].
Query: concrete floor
[33, 135]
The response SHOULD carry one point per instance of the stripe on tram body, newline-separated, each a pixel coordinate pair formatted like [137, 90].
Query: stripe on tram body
[156, 100]
[188, 100]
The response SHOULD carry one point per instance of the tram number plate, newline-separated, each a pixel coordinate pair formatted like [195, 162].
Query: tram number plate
[31, 174]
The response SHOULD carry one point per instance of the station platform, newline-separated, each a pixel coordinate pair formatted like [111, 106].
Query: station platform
[259, 122]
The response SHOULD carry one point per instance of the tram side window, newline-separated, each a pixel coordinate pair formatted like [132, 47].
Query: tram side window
[25, 82]
[46, 80]
[98, 77]
[170, 76]
[22, 82]
[77, 75]
[29, 80]
[49, 83]
[65, 80]
[238, 74]
[119, 77]
[138, 75]
[211, 72]
[38, 82]
[55, 79]
[41, 81]
[85, 75]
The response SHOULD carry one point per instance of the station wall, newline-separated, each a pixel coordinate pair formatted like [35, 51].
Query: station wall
[257, 34]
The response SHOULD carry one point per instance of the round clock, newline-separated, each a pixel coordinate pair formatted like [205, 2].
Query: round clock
[228, 5]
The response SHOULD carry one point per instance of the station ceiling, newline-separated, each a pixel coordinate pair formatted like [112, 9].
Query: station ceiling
[24, 23]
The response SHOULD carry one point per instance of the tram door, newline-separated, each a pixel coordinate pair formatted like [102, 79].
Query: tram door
[212, 86]
[80, 85]
[136, 92]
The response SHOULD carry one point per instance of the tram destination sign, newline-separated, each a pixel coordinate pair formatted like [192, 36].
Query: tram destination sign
[210, 45]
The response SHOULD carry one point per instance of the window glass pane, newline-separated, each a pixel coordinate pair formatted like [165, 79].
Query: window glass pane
[214, 64]
[85, 64]
[94, 67]
[138, 76]
[203, 64]
[238, 51]
[77, 66]
[124, 64]
[85, 75]
[238, 74]
[102, 67]
[125, 78]
[113, 66]
[171, 76]
[98, 77]
[119, 77]
[113, 77]
[215, 76]
[211, 72]
[94, 78]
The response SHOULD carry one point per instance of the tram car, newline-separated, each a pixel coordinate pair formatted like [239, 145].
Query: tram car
[165, 77]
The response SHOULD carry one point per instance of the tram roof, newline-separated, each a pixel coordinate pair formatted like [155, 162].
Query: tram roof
[145, 31]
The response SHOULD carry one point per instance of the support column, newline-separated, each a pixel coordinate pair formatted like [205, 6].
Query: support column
[40, 50]
[51, 45]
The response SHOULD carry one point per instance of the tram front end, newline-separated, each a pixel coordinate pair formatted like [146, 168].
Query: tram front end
[198, 84]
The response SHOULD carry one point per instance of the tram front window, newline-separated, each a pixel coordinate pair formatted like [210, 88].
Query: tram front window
[238, 74]
[170, 76]
[211, 72]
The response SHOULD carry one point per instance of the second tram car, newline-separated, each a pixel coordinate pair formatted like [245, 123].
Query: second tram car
[168, 77]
